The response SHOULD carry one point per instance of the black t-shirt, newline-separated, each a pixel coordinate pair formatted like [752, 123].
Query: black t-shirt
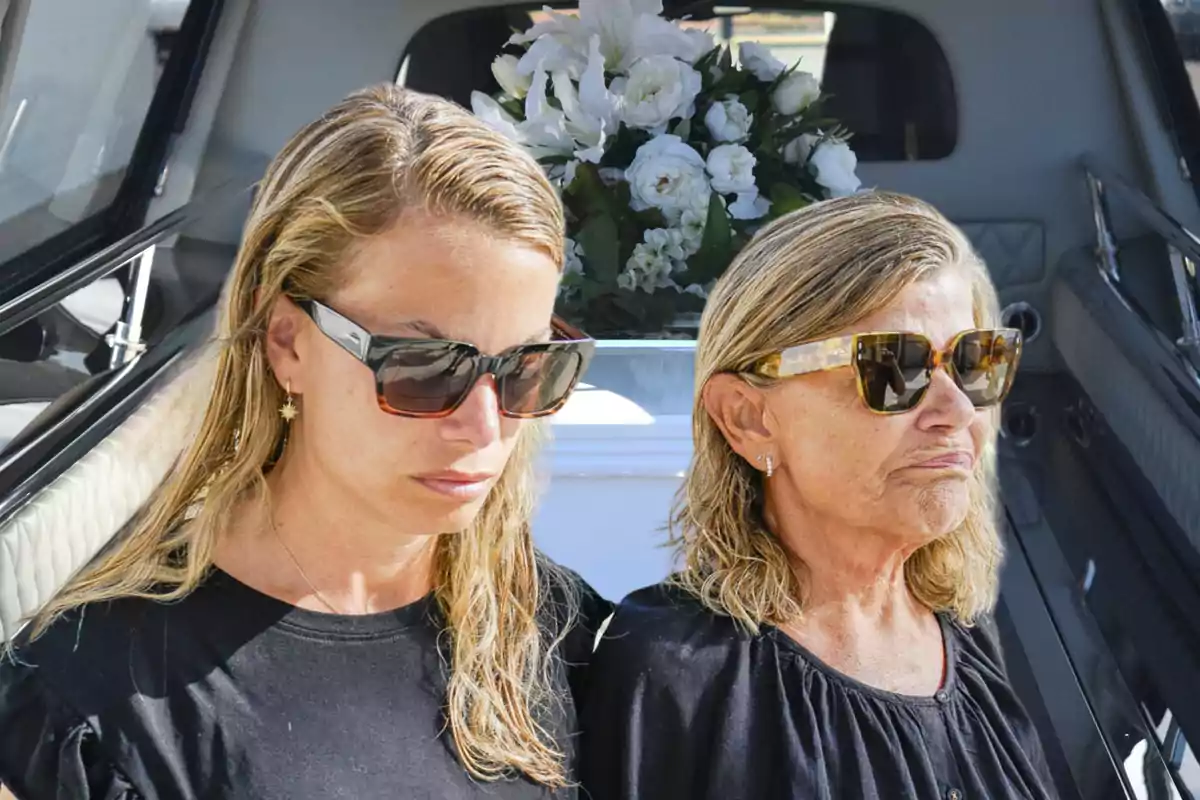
[683, 704]
[230, 693]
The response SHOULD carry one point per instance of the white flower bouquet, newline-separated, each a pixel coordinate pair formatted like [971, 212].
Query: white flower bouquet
[668, 155]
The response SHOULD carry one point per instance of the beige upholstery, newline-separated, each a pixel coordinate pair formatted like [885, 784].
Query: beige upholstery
[57, 532]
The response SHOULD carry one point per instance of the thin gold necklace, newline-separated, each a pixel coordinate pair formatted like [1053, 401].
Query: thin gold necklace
[296, 563]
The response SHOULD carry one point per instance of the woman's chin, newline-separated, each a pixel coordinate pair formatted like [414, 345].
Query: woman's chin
[939, 510]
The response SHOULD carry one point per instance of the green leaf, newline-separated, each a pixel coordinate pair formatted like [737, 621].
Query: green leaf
[704, 67]
[716, 246]
[786, 198]
[587, 186]
[750, 100]
[601, 248]
[684, 129]
[624, 146]
[733, 82]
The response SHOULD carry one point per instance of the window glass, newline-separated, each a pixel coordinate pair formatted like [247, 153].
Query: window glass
[75, 86]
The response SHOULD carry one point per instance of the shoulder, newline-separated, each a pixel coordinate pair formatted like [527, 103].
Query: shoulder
[99, 657]
[82, 642]
[52, 691]
[661, 628]
[573, 611]
[568, 595]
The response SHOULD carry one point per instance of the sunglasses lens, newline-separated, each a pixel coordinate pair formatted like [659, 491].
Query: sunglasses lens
[893, 370]
[426, 377]
[537, 381]
[984, 364]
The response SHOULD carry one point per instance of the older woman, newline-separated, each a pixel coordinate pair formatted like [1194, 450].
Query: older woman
[337, 592]
[828, 635]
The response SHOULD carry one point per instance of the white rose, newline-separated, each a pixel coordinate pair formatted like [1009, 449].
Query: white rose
[749, 205]
[666, 174]
[511, 81]
[834, 164]
[732, 169]
[759, 60]
[795, 93]
[729, 121]
[658, 89]
[796, 151]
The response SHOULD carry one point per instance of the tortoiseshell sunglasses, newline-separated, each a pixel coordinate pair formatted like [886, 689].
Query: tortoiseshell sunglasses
[894, 369]
[430, 378]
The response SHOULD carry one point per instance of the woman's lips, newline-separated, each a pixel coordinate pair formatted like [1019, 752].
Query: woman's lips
[958, 459]
[458, 485]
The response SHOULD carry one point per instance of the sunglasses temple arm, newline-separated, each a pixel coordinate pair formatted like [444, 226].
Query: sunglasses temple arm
[566, 330]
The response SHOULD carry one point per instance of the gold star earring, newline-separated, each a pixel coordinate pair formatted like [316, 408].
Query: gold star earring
[288, 410]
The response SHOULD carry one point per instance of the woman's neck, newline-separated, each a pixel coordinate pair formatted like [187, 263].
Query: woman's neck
[304, 544]
[859, 615]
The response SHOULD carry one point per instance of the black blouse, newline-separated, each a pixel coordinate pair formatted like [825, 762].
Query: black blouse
[230, 693]
[683, 703]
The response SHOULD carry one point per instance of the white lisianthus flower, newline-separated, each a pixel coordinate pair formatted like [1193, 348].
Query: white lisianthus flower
[658, 89]
[694, 219]
[572, 274]
[668, 175]
[691, 226]
[666, 241]
[758, 59]
[749, 205]
[512, 82]
[572, 258]
[647, 269]
[832, 163]
[729, 120]
[732, 169]
[701, 291]
[795, 93]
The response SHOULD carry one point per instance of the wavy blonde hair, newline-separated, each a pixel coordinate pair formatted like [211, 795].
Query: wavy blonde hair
[803, 277]
[349, 175]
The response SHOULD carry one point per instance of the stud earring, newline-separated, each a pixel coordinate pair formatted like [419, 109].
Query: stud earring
[288, 410]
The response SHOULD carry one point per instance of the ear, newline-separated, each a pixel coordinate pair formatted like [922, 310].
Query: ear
[284, 327]
[741, 413]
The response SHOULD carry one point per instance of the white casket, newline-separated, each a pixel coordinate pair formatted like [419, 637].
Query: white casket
[619, 450]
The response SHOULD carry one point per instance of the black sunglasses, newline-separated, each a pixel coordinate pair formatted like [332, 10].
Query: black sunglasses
[430, 378]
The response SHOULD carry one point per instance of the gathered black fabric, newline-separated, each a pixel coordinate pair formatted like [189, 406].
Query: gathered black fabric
[230, 693]
[685, 704]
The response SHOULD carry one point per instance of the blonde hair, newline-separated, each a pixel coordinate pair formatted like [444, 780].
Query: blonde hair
[802, 277]
[381, 152]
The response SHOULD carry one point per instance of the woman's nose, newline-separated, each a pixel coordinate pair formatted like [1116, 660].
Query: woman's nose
[944, 404]
[477, 419]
